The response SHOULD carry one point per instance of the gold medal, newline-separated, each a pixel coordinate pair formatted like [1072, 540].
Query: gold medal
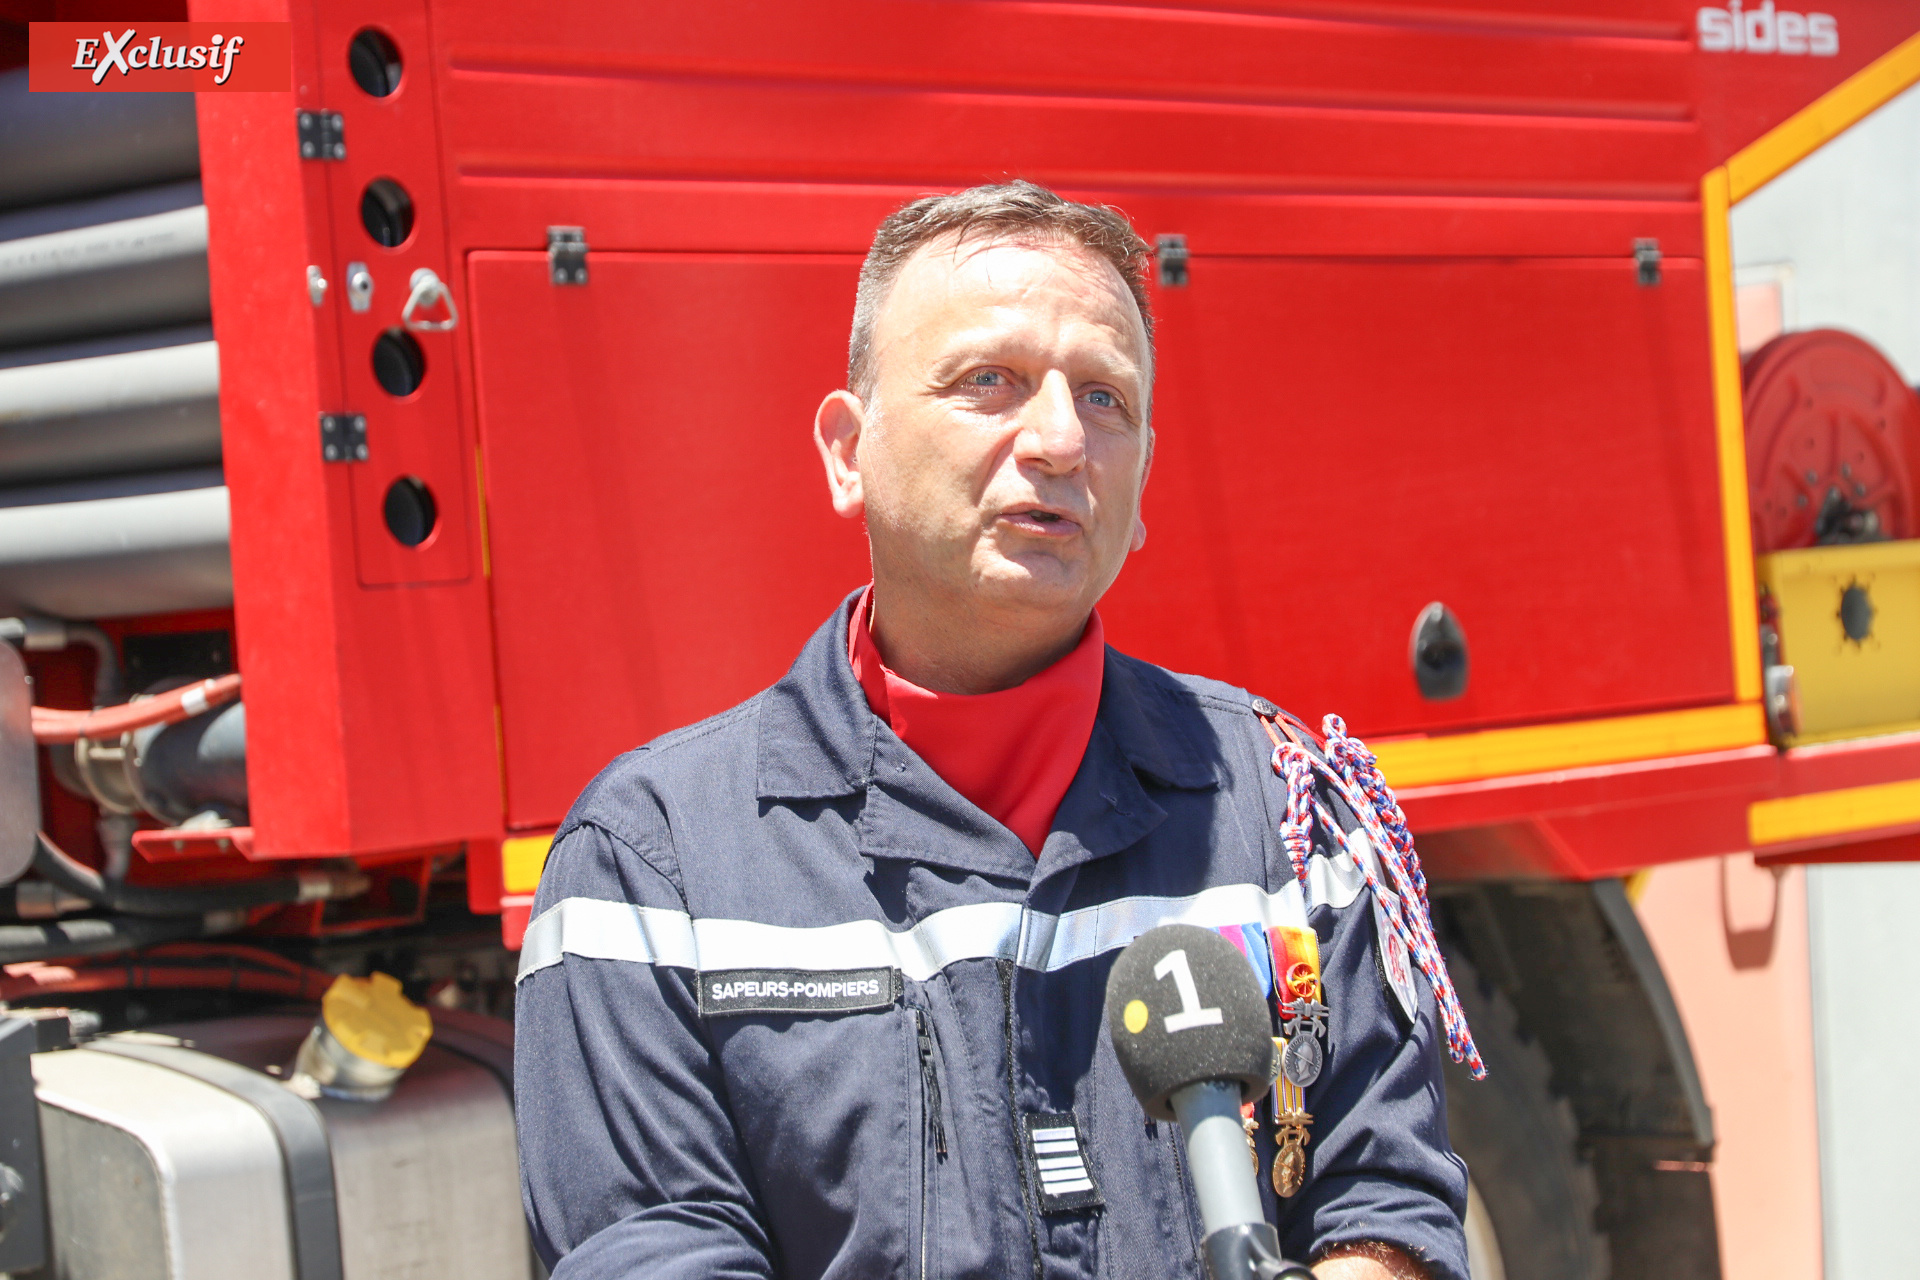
[1290, 1163]
[1290, 1136]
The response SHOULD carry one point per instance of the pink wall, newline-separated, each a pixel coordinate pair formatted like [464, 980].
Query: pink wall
[1735, 952]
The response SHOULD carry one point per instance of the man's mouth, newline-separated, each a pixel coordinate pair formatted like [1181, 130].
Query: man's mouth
[1041, 522]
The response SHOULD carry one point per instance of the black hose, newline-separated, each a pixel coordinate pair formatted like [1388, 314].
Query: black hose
[58, 940]
[139, 900]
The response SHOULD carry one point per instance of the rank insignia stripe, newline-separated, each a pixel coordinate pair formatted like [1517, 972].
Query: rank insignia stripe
[1056, 1156]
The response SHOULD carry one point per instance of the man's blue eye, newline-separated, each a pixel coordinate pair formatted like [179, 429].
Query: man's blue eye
[986, 378]
[1105, 399]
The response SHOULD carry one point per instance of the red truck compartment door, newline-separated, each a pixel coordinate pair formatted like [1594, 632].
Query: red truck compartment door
[1529, 441]
[658, 531]
[1342, 441]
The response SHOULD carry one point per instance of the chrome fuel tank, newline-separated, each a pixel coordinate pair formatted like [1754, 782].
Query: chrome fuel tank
[182, 1156]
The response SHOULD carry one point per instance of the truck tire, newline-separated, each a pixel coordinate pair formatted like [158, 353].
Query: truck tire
[1521, 1144]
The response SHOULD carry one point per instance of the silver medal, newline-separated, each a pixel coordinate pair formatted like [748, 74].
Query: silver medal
[1301, 1060]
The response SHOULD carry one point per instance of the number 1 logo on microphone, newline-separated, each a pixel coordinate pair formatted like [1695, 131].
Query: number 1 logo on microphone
[1191, 1014]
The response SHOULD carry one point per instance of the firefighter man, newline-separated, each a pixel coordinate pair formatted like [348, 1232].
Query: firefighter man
[814, 988]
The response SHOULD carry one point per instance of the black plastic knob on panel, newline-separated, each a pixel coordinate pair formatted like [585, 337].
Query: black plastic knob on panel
[375, 62]
[1438, 654]
[1856, 613]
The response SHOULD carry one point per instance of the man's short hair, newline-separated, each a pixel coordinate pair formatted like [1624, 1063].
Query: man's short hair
[1016, 209]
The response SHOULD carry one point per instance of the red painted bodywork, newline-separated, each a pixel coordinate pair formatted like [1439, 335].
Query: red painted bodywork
[1412, 363]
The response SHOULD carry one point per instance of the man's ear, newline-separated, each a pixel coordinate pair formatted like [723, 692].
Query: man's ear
[837, 427]
[1139, 524]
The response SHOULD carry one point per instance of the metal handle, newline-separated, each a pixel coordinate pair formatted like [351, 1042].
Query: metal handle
[424, 289]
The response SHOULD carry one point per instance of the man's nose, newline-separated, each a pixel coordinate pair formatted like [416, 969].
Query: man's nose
[1051, 433]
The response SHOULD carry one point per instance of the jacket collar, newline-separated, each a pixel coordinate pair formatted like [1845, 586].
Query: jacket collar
[818, 739]
[816, 731]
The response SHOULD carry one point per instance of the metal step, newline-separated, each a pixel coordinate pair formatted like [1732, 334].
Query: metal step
[110, 414]
[155, 543]
[56, 146]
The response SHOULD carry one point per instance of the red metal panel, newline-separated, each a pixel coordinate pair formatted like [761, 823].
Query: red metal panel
[1584, 823]
[657, 518]
[1732, 778]
[1862, 762]
[868, 91]
[1901, 848]
[1741, 95]
[1341, 442]
[263, 224]
[734, 126]
[370, 711]
[418, 435]
[1532, 439]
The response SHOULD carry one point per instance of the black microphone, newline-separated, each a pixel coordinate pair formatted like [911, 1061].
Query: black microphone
[1194, 1040]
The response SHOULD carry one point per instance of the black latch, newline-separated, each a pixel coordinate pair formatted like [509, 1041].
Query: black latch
[343, 437]
[323, 135]
[1171, 253]
[1646, 261]
[567, 255]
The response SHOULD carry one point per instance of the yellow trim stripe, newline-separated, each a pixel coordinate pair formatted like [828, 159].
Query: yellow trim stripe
[1545, 748]
[522, 858]
[1829, 813]
[1829, 115]
[1730, 438]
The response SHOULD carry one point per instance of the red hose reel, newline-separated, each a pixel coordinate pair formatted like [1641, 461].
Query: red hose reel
[1833, 443]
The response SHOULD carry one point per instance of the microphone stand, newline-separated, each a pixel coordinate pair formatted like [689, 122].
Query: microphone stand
[1240, 1244]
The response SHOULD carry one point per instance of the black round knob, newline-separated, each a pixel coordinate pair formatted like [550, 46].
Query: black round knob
[1438, 654]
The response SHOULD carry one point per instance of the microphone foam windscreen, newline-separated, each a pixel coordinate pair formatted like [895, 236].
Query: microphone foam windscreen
[1183, 1006]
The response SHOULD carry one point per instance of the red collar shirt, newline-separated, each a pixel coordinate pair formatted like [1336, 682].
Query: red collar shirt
[1012, 753]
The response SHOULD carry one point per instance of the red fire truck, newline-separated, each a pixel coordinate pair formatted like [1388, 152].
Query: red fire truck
[379, 459]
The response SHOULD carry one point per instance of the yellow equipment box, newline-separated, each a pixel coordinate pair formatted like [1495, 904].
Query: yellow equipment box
[1849, 621]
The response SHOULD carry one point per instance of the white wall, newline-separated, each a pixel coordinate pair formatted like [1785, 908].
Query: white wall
[1841, 231]
[1847, 221]
[1866, 1029]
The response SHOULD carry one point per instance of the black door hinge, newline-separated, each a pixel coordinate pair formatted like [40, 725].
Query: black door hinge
[323, 135]
[343, 437]
[567, 255]
[1646, 261]
[1171, 254]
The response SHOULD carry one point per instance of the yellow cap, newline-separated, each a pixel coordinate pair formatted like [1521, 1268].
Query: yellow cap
[370, 1018]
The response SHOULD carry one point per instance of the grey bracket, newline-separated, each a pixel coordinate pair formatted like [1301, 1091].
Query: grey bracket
[359, 287]
[343, 437]
[323, 135]
[567, 255]
[1171, 254]
[1646, 262]
[23, 1191]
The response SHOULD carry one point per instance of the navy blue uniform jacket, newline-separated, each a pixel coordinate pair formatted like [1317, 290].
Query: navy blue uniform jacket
[790, 1005]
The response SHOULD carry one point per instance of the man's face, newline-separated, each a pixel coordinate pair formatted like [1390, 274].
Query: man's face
[1004, 444]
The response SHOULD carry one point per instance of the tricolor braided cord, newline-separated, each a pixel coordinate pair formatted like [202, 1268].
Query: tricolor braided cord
[1354, 773]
